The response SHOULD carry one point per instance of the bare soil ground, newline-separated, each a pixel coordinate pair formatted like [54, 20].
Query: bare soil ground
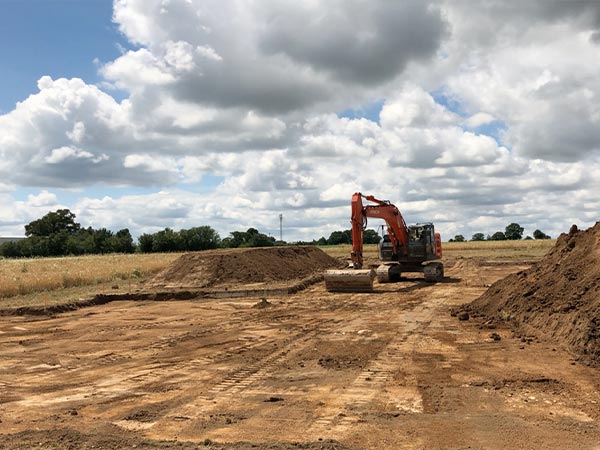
[558, 298]
[386, 370]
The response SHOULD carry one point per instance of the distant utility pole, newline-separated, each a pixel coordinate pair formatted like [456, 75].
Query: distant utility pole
[281, 227]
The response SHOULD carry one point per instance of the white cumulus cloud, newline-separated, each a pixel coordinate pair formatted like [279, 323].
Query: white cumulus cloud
[233, 114]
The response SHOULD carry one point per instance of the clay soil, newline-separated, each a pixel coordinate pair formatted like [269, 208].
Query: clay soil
[315, 370]
[557, 299]
[250, 267]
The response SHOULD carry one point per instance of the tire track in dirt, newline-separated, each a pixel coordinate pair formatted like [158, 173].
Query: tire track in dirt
[128, 376]
[256, 372]
[338, 418]
[167, 373]
[142, 326]
[238, 381]
[161, 371]
[244, 344]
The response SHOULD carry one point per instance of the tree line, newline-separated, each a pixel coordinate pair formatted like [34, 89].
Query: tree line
[201, 238]
[58, 234]
[512, 232]
[345, 237]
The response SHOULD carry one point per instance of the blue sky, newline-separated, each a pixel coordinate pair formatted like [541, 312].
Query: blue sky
[60, 38]
[370, 111]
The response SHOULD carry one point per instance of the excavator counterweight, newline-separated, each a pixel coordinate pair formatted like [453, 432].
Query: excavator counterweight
[403, 249]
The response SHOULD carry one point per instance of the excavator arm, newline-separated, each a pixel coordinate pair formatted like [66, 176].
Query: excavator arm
[382, 209]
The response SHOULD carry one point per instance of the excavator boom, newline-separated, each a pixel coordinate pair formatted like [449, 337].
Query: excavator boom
[396, 227]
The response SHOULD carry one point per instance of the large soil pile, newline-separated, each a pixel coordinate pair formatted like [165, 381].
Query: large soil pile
[557, 298]
[228, 267]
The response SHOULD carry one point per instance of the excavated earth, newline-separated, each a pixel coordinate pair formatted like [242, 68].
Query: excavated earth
[235, 267]
[557, 299]
[310, 370]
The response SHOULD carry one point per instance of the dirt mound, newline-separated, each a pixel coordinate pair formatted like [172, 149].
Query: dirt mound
[227, 267]
[557, 298]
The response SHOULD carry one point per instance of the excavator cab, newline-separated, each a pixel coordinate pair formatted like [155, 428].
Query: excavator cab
[386, 249]
[424, 246]
[417, 236]
[421, 245]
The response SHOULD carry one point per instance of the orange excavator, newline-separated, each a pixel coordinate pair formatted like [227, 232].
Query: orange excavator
[414, 248]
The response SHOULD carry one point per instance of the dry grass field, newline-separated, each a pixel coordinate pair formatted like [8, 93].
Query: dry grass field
[498, 250]
[49, 281]
[493, 250]
[27, 276]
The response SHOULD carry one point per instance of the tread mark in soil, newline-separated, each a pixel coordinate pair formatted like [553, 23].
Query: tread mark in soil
[344, 413]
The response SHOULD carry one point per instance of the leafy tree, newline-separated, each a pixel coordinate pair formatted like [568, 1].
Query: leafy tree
[227, 242]
[122, 242]
[538, 234]
[322, 241]
[249, 238]
[200, 238]
[256, 239]
[514, 232]
[235, 239]
[102, 240]
[10, 249]
[528, 238]
[81, 243]
[53, 222]
[145, 242]
[348, 236]
[370, 237]
[261, 240]
[56, 243]
[478, 237]
[459, 238]
[338, 237]
[57, 234]
[497, 236]
[167, 240]
[345, 237]
[34, 246]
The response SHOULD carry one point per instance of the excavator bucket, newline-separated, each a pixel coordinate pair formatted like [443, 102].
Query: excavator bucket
[349, 280]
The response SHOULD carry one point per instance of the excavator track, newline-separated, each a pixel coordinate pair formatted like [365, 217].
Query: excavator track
[433, 272]
[389, 273]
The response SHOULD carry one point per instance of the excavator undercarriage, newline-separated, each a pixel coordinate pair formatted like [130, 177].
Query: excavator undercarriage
[392, 273]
